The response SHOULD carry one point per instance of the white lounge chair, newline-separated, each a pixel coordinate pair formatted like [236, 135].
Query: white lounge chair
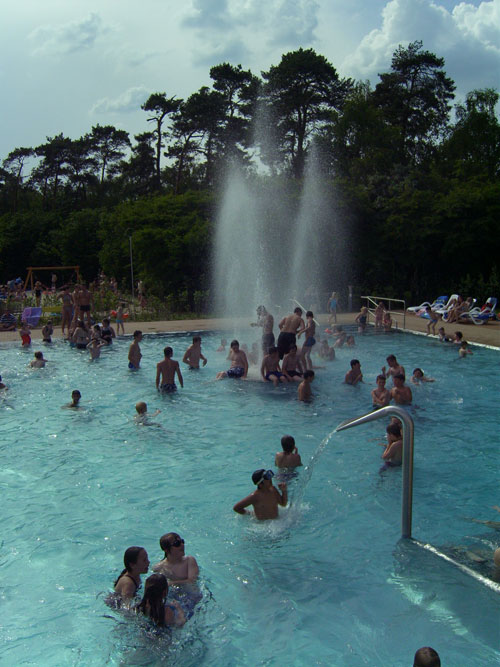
[440, 301]
[482, 315]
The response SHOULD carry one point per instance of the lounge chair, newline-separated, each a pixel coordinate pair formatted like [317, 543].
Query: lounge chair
[448, 305]
[482, 315]
[31, 316]
[440, 301]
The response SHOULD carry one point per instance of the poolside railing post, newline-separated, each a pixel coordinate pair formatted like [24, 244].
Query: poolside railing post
[408, 436]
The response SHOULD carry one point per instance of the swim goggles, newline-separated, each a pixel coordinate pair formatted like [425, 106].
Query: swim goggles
[267, 474]
[177, 542]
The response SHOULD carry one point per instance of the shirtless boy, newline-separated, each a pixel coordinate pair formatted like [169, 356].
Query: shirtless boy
[47, 332]
[380, 395]
[400, 393]
[270, 368]
[289, 457]
[291, 365]
[193, 355]
[239, 363]
[38, 361]
[394, 367]
[464, 350]
[75, 400]
[354, 375]
[176, 566]
[304, 390]
[393, 453]
[94, 347]
[142, 416]
[165, 373]
[266, 321]
[433, 318]
[309, 330]
[418, 376]
[289, 326]
[134, 352]
[266, 498]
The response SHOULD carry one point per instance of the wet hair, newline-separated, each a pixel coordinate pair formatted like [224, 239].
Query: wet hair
[288, 443]
[260, 309]
[463, 344]
[297, 311]
[309, 313]
[381, 377]
[234, 343]
[426, 657]
[141, 407]
[257, 475]
[394, 429]
[308, 374]
[38, 355]
[459, 335]
[354, 362]
[168, 352]
[155, 592]
[272, 350]
[76, 391]
[196, 339]
[165, 541]
[129, 558]
[418, 370]
[137, 333]
[391, 357]
[399, 376]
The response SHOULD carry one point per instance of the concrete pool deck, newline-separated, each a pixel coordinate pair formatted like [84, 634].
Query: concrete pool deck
[486, 334]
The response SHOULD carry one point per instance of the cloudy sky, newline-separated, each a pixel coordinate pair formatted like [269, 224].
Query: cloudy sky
[67, 65]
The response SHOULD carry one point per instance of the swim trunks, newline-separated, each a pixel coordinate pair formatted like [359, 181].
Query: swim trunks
[81, 346]
[285, 342]
[293, 374]
[168, 388]
[389, 464]
[85, 309]
[235, 372]
[26, 339]
[310, 341]
[277, 373]
[47, 340]
[132, 367]
[193, 368]
[362, 320]
[267, 342]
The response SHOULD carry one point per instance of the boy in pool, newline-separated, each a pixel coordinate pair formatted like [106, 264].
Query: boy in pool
[165, 373]
[464, 350]
[380, 395]
[239, 363]
[289, 457]
[270, 367]
[304, 391]
[394, 367]
[94, 347]
[418, 376]
[142, 416]
[176, 566]
[75, 400]
[222, 346]
[393, 453]
[47, 332]
[443, 338]
[193, 355]
[354, 375]
[266, 498]
[38, 361]
[400, 393]
[134, 352]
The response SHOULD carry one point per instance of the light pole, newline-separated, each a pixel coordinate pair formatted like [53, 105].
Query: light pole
[131, 262]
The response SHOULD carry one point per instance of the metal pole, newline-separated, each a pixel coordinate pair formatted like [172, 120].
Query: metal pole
[131, 266]
[408, 431]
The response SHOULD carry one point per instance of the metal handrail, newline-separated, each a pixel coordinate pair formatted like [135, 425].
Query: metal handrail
[408, 430]
[374, 300]
[304, 310]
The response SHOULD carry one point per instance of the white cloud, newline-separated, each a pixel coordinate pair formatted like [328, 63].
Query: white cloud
[68, 38]
[129, 101]
[468, 38]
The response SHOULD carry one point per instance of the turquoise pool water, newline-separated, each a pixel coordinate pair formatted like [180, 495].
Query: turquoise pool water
[329, 583]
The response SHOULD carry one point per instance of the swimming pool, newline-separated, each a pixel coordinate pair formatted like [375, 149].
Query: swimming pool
[329, 583]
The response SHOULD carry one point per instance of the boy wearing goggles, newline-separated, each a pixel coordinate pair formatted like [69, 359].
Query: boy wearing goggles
[266, 498]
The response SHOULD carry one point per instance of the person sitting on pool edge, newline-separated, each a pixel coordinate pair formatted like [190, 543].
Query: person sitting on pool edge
[165, 373]
[304, 389]
[176, 566]
[239, 363]
[270, 367]
[266, 498]
[136, 562]
[289, 457]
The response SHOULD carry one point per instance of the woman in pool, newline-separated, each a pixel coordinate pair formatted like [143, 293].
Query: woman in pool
[136, 562]
[80, 336]
[153, 604]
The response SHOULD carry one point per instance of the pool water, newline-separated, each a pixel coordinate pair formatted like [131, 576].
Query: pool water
[329, 583]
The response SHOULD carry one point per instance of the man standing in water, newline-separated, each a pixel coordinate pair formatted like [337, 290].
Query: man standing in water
[266, 498]
[266, 321]
[134, 352]
[165, 373]
[289, 326]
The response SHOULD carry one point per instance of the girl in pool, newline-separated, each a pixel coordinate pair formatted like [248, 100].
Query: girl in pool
[309, 331]
[136, 562]
[153, 604]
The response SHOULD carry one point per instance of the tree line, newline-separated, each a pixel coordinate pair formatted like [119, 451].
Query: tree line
[417, 188]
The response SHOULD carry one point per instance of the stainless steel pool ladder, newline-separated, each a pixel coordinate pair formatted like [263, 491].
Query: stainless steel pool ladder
[407, 495]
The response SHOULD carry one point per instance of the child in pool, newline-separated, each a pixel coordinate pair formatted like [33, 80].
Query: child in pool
[222, 346]
[464, 350]
[75, 400]
[142, 416]
[304, 390]
[179, 568]
[418, 376]
[289, 457]
[193, 354]
[266, 498]
[24, 332]
[270, 367]
[154, 603]
[361, 319]
[380, 395]
[393, 453]
[38, 361]
[308, 330]
[47, 332]
[94, 347]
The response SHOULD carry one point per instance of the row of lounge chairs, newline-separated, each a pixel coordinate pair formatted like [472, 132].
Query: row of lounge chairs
[443, 306]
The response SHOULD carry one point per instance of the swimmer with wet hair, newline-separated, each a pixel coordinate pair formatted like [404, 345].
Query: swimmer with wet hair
[381, 396]
[304, 389]
[266, 498]
[75, 400]
[464, 350]
[38, 361]
[426, 657]
[354, 375]
[239, 363]
[142, 415]
[2, 385]
[179, 568]
[289, 457]
[154, 604]
[136, 562]
[418, 376]
[393, 454]
[193, 355]
[166, 371]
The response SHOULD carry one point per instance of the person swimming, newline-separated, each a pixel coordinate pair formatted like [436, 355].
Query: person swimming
[136, 562]
[154, 603]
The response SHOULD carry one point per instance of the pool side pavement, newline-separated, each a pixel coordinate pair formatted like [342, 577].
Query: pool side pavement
[486, 334]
